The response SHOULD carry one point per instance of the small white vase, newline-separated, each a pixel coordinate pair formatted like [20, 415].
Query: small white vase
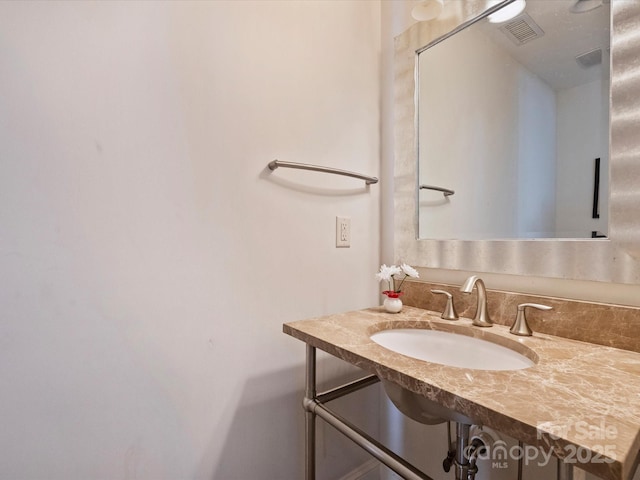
[392, 305]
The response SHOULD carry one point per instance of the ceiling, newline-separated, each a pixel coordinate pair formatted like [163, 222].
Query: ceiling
[566, 35]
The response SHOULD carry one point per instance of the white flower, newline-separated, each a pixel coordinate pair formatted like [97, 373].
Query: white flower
[409, 270]
[386, 273]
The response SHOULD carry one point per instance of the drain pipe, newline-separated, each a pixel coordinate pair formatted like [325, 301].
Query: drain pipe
[477, 448]
[462, 443]
[466, 450]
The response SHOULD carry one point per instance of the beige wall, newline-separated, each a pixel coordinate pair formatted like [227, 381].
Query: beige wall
[148, 259]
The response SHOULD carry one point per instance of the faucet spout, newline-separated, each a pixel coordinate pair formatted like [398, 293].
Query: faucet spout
[482, 318]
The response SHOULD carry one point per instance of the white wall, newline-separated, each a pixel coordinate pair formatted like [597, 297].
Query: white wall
[537, 141]
[580, 110]
[148, 259]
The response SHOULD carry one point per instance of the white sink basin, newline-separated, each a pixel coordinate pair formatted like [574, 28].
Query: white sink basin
[451, 349]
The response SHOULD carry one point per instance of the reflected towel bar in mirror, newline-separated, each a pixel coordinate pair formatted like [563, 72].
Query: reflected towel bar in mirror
[315, 168]
[446, 191]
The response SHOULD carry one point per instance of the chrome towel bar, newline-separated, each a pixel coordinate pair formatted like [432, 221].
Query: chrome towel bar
[315, 168]
[446, 191]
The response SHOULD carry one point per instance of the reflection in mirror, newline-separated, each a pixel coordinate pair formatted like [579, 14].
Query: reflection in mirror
[514, 118]
[613, 259]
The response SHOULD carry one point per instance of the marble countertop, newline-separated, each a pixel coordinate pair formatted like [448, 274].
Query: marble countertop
[579, 400]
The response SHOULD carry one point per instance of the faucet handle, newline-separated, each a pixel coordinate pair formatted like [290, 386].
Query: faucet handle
[449, 312]
[520, 326]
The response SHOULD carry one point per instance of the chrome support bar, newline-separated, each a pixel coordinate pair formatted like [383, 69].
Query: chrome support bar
[316, 168]
[347, 389]
[313, 406]
[446, 191]
[310, 416]
[373, 447]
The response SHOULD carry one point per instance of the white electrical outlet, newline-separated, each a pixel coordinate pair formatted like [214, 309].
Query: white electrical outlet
[343, 232]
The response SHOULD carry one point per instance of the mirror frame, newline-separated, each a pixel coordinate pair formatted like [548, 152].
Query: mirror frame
[614, 259]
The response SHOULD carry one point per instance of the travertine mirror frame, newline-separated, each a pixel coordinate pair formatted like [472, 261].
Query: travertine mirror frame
[615, 259]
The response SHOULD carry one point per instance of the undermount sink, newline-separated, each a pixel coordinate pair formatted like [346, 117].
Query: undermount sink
[451, 349]
[444, 348]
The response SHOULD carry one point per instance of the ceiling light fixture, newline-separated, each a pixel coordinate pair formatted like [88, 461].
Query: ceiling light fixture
[427, 10]
[582, 6]
[507, 12]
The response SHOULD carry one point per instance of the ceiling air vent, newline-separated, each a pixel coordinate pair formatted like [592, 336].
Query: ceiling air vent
[522, 30]
[589, 59]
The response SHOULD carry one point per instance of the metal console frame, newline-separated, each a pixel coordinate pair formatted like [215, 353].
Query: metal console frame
[314, 405]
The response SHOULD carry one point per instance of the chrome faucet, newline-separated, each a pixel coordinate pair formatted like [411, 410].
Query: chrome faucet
[482, 318]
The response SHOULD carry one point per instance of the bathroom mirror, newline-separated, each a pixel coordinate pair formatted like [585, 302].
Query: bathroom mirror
[610, 259]
[523, 106]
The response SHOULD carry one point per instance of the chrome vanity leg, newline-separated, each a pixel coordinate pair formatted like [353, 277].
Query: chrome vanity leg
[314, 406]
[565, 470]
[310, 416]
